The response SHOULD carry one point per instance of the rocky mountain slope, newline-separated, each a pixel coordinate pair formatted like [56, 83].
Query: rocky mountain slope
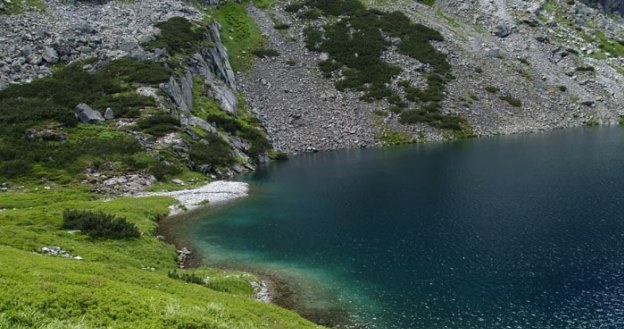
[519, 66]
[608, 5]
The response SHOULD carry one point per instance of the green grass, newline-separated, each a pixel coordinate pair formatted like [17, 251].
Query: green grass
[43, 292]
[119, 283]
[613, 47]
[263, 4]
[20, 6]
[239, 33]
[393, 137]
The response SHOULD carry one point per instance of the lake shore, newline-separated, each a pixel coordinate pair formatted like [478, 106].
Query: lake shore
[275, 289]
[211, 193]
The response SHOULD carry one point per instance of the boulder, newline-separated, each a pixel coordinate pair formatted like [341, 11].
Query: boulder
[503, 30]
[109, 114]
[86, 114]
[50, 55]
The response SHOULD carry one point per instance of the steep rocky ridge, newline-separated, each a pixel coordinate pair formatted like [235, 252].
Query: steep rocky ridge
[213, 135]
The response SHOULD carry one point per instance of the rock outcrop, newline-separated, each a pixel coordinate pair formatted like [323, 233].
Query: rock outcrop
[86, 114]
[212, 66]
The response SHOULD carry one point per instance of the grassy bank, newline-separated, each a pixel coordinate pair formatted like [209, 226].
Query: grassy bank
[123, 283]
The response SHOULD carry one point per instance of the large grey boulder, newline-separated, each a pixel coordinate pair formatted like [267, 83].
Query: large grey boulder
[109, 114]
[50, 55]
[86, 114]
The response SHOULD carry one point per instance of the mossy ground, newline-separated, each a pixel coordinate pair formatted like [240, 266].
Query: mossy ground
[239, 33]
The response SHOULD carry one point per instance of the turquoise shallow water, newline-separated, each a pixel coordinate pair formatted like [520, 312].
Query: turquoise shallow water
[507, 232]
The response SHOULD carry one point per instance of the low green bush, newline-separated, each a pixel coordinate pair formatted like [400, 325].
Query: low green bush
[511, 100]
[99, 224]
[492, 89]
[178, 35]
[265, 52]
[215, 152]
[159, 124]
[281, 26]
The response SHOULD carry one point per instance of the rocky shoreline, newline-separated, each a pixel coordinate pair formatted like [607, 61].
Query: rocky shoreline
[209, 194]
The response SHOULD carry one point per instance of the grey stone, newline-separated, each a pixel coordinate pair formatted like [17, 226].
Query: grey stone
[503, 30]
[86, 114]
[109, 114]
[50, 55]
[180, 92]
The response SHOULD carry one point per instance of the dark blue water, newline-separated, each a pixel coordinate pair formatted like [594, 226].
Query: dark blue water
[510, 232]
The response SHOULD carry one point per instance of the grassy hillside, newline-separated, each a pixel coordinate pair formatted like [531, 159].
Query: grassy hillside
[47, 161]
[118, 283]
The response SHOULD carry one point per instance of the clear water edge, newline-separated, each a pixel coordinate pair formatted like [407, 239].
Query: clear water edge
[506, 232]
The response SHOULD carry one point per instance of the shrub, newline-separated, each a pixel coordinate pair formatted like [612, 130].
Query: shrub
[562, 88]
[99, 224]
[511, 100]
[585, 69]
[159, 124]
[215, 152]
[492, 89]
[265, 52]
[178, 35]
[281, 26]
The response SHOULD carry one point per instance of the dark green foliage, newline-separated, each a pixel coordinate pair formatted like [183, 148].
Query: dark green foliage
[572, 51]
[124, 105]
[492, 89]
[294, 7]
[278, 156]
[434, 119]
[562, 88]
[215, 152]
[511, 100]
[281, 26]
[178, 35]
[53, 98]
[310, 14]
[130, 70]
[162, 170]
[265, 52]
[428, 2]
[50, 102]
[329, 66]
[258, 141]
[313, 38]
[337, 7]
[478, 70]
[355, 45]
[159, 124]
[99, 224]
[585, 69]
